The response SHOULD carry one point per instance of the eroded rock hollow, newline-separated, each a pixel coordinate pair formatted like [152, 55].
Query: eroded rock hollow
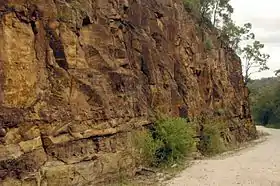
[77, 76]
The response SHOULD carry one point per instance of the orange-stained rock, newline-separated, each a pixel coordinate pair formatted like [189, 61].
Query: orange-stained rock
[76, 77]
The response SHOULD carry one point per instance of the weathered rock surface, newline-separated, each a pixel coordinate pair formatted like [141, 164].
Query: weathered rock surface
[77, 76]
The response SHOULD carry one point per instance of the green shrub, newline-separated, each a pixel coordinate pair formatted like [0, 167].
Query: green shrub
[169, 141]
[177, 138]
[147, 146]
[212, 142]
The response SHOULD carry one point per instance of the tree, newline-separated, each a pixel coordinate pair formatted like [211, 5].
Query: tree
[235, 34]
[213, 10]
[219, 13]
[222, 11]
[255, 60]
[206, 8]
[265, 100]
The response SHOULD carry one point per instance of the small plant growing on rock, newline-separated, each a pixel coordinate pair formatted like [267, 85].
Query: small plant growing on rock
[192, 5]
[208, 44]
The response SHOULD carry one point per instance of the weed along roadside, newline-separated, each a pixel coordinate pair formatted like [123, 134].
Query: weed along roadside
[172, 140]
[170, 144]
[169, 141]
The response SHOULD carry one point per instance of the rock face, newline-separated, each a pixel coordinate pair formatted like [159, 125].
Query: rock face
[78, 76]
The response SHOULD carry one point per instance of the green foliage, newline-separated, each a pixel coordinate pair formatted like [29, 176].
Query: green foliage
[192, 5]
[169, 141]
[219, 12]
[274, 126]
[235, 34]
[176, 136]
[254, 59]
[208, 44]
[214, 10]
[212, 142]
[147, 145]
[265, 100]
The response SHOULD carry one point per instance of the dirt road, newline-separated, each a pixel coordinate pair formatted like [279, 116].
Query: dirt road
[258, 166]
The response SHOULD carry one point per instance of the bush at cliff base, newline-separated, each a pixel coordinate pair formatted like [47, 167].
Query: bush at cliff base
[147, 146]
[169, 141]
[211, 142]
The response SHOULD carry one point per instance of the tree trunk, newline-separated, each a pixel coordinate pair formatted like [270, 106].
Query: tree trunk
[215, 13]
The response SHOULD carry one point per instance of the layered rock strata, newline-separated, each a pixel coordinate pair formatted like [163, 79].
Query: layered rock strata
[79, 76]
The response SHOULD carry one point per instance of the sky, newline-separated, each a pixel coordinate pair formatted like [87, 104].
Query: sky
[265, 18]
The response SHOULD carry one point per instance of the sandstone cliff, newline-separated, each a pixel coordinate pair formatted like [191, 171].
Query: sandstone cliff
[77, 76]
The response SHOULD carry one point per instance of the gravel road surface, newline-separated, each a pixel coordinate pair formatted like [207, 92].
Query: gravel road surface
[258, 165]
